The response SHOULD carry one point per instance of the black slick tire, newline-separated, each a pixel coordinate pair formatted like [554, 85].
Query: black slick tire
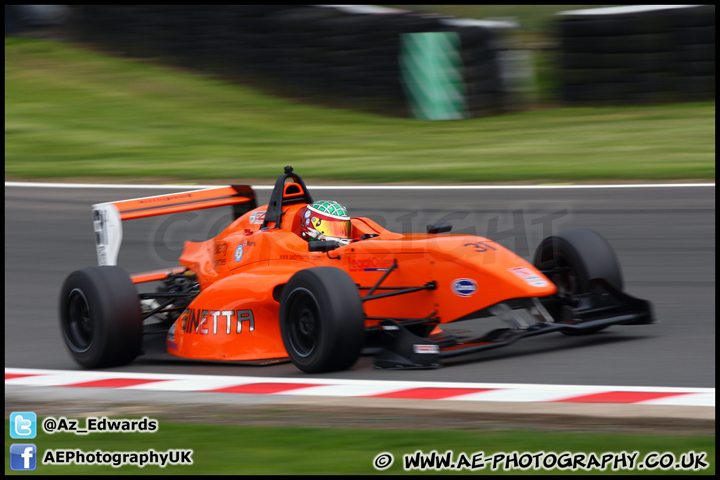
[322, 320]
[101, 317]
[584, 255]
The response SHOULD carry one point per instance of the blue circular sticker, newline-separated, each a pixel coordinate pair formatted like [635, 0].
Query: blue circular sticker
[238, 253]
[464, 287]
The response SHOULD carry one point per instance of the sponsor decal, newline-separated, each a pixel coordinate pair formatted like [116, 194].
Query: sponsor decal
[257, 217]
[372, 264]
[204, 322]
[167, 198]
[464, 287]
[301, 256]
[426, 349]
[238, 253]
[220, 250]
[530, 277]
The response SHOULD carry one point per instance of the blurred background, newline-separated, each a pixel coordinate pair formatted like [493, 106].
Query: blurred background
[199, 91]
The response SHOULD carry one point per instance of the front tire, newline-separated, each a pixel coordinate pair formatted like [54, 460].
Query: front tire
[575, 257]
[321, 320]
[101, 317]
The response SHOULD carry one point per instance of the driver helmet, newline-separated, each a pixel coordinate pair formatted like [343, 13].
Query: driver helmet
[325, 220]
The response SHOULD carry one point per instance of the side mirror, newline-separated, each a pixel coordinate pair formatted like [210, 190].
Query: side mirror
[439, 227]
[325, 246]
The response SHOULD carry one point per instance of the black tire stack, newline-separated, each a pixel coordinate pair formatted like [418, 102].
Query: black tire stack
[486, 91]
[328, 55]
[21, 19]
[694, 52]
[621, 56]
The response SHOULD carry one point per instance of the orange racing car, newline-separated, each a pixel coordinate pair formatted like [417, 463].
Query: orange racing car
[302, 280]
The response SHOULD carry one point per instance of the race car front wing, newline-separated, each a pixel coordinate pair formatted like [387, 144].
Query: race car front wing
[404, 345]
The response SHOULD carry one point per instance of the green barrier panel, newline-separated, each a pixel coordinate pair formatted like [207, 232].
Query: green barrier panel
[431, 65]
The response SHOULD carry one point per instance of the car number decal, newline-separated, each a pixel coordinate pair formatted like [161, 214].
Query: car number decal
[529, 276]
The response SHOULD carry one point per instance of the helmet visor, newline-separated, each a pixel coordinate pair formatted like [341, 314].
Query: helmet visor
[331, 227]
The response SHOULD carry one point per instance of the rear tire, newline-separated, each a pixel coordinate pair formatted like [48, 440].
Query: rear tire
[100, 317]
[321, 320]
[584, 255]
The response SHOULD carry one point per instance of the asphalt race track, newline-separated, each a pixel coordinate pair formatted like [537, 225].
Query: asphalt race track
[663, 236]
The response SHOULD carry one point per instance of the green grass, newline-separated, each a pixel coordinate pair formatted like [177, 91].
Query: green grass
[246, 450]
[75, 113]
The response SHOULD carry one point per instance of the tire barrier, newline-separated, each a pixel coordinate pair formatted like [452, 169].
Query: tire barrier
[627, 55]
[341, 56]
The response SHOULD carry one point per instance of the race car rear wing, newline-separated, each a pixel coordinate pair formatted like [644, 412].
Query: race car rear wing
[108, 217]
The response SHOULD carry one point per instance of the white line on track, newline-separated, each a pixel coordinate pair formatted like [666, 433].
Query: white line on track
[366, 187]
